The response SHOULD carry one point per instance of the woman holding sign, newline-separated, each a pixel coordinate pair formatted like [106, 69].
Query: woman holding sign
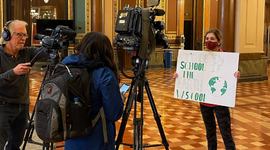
[213, 39]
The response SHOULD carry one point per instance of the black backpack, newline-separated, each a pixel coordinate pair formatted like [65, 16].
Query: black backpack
[57, 117]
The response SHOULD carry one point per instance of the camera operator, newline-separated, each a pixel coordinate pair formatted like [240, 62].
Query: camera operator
[14, 83]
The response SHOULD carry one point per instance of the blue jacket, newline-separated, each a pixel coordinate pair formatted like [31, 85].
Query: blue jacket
[105, 92]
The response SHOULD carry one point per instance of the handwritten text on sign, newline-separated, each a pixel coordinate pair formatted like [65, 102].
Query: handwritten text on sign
[206, 77]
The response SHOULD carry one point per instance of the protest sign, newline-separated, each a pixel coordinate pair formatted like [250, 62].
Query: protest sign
[206, 76]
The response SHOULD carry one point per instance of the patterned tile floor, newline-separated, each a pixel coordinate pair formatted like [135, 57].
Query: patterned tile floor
[181, 119]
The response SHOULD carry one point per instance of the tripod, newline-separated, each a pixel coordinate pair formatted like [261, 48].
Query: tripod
[140, 81]
[54, 59]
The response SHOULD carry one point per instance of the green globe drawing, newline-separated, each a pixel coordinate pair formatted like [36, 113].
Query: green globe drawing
[217, 86]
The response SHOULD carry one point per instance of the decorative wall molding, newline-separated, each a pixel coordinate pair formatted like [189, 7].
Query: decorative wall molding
[250, 56]
[88, 8]
[115, 13]
[79, 36]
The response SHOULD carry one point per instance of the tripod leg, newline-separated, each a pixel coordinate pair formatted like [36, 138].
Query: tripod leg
[52, 148]
[156, 115]
[135, 126]
[26, 139]
[31, 123]
[138, 122]
[46, 146]
[125, 115]
[31, 134]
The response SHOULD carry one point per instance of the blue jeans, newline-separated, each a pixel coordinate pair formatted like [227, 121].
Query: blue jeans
[13, 121]
[224, 122]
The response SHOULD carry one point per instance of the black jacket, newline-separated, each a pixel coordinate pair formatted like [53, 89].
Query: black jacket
[13, 88]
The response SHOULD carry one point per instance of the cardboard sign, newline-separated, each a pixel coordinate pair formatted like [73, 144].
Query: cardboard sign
[206, 76]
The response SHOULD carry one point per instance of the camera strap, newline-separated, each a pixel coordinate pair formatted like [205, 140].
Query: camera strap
[147, 33]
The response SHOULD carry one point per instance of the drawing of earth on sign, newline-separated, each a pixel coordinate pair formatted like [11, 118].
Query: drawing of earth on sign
[217, 86]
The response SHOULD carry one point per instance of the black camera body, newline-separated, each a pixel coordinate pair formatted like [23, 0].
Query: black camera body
[59, 38]
[129, 26]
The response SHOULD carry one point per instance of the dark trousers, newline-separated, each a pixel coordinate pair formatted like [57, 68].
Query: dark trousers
[224, 122]
[13, 121]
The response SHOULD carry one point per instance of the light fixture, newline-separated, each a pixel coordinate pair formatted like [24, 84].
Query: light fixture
[46, 1]
[33, 13]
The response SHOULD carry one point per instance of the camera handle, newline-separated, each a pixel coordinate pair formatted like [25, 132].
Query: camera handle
[139, 83]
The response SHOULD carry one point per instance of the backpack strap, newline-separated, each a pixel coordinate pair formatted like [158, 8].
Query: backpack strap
[101, 110]
[88, 87]
[103, 119]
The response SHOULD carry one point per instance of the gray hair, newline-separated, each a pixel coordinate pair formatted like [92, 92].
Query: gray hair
[11, 26]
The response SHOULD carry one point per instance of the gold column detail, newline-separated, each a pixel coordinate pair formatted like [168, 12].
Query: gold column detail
[207, 14]
[206, 20]
[115, 13]
[70, 9]
[1, 15]
[88, 8]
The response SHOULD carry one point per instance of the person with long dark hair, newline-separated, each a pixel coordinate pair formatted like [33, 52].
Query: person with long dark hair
[95, 51]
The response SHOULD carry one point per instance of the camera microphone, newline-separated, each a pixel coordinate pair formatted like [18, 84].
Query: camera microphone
[68, 33]
[38, 37]
[159, 12]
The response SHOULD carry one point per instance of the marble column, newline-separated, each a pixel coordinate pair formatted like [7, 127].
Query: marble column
[226, 23]
[97, 16]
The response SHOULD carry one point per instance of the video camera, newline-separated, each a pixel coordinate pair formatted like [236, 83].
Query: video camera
[59, 38]
[138, 32]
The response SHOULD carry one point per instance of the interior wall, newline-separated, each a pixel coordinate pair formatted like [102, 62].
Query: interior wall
[249, 26]
[79, 20]
[131, 3]
[171, 13]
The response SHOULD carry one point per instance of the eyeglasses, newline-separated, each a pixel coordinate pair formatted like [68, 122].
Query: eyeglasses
[21, 35]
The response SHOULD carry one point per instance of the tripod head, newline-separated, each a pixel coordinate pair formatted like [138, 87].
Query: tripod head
[54, 57]
[137, 64]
